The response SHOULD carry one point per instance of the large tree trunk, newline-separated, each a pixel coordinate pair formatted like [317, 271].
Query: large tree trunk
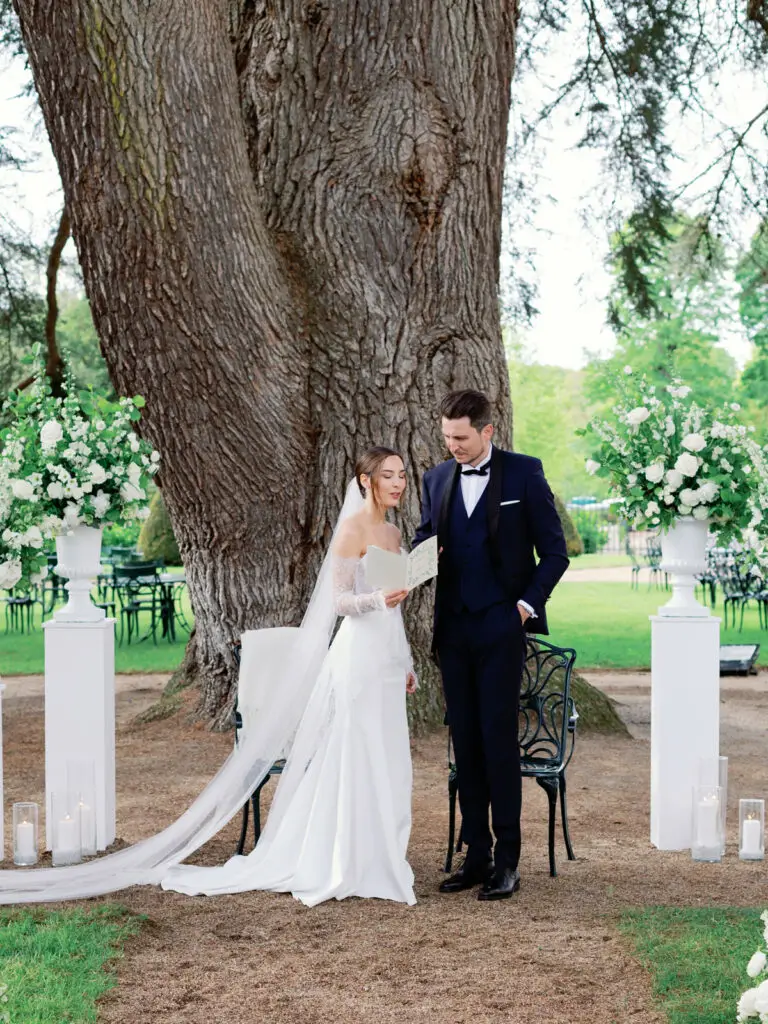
[288, 218]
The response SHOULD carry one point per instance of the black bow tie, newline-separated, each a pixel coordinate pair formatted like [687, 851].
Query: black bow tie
[482, 471]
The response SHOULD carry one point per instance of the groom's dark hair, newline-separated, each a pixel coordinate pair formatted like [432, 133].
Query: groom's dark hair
[472, 404]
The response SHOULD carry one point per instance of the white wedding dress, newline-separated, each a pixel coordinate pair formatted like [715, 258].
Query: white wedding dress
[340, 819]
[341, 815]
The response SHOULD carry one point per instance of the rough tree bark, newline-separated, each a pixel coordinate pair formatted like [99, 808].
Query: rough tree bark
[288, 219]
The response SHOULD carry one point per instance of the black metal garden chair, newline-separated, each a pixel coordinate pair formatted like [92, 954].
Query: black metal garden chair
[254, 801]
[137, 589]
[546, 734]
[636, 566]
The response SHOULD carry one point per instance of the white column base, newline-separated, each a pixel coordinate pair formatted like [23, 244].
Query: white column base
[80, 713]
[685, 719]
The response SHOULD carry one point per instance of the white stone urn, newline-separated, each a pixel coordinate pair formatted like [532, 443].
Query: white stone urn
[79, 561]
[684, 557]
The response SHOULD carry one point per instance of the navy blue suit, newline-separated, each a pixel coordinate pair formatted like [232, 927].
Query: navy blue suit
[487, 565]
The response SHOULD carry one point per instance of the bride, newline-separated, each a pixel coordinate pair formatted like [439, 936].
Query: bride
[341, 816]
[340, 819]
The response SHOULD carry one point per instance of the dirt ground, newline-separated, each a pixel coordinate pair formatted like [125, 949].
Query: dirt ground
[552, 954]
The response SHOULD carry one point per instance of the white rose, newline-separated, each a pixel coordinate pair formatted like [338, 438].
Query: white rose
[22, 489]
[134, 473]
[746, 1007]
[680, 392]
[701, 512]
[55, 491]
[97, 473]
[134, 443]
[687, 464]
[674, 479]
[735, 406]
[725, 464]
[591, 466]
[694, 442]
[627, 370]
[36, 578]
[651, 509]
[689, 497]
[32, 537]
[50, 435]
[637, 416]
[684, 510]
[708, 491]
[655, 472]
[668, 498]
[154, 457]
[761, 997]
[130, 492]
[632, 479]
[669, 426]
[72, 516]
[10, 574]
[100, 504]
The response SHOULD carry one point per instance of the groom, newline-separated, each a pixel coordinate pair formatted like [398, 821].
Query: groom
[490, 510]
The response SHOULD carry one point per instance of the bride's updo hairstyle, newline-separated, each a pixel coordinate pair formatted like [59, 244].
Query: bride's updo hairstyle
[369, 464]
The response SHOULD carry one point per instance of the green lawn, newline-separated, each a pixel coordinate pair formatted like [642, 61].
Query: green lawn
[608, 624]
[600, 561]
[57, 964]
[22, 653]
[697, 958]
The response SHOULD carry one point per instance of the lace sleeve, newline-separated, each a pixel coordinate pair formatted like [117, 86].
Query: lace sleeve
[346, 601]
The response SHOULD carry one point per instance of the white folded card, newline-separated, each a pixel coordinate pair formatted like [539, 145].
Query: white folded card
[386, 570]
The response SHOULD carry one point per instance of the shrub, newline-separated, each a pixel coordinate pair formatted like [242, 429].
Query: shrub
[573, 541]
[157, 539]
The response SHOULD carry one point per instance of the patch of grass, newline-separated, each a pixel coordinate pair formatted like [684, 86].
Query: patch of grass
[696, 957]
[608, 624]
[57, 964]
[600, 561]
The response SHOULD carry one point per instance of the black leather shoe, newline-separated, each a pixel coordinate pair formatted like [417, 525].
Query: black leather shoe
[467, 877]
[501, 885]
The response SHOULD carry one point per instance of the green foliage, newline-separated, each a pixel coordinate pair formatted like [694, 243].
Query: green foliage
[672, 332]
[593, 533]
[752, 278]
[56, 964]
[548, 406]
[573, 541]
[697, 958]
[80, 347]
[157, 539]
[121, 535]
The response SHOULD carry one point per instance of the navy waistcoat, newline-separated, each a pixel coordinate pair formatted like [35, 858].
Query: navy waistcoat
[467, 563]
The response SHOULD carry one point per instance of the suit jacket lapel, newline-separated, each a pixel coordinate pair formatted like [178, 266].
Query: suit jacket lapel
[493, 496]
[451, 481]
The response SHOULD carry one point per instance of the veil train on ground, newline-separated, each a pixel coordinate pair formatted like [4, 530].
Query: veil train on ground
[287, 661]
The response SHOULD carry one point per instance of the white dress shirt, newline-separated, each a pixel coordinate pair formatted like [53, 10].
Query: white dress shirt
[472, 487]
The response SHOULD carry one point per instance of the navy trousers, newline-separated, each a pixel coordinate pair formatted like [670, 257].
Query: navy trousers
[481, 659]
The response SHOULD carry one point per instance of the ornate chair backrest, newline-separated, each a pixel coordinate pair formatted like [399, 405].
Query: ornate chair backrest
[547, 710]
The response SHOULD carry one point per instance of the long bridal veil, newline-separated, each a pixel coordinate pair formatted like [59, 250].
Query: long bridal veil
[289, 661]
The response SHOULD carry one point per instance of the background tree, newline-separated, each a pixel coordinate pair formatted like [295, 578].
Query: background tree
[676, 332]
[288, 221]
[752, 278]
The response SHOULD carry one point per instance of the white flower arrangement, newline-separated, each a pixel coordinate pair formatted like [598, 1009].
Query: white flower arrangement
[66, 462]
[666, 457]
[753, 1004]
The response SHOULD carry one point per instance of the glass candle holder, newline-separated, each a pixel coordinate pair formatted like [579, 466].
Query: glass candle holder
[81, 782]
[751, 829]
[713, 771]
[707, 830]
[65, 829]
[25, 819]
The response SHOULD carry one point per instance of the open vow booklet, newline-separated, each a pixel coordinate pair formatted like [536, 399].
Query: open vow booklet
[386, 570]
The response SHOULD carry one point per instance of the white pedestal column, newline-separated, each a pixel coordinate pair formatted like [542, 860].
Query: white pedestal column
[685, 719]
[80, 713]
[2, 796]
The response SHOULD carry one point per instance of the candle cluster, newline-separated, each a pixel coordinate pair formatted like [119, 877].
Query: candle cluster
[709, 816]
